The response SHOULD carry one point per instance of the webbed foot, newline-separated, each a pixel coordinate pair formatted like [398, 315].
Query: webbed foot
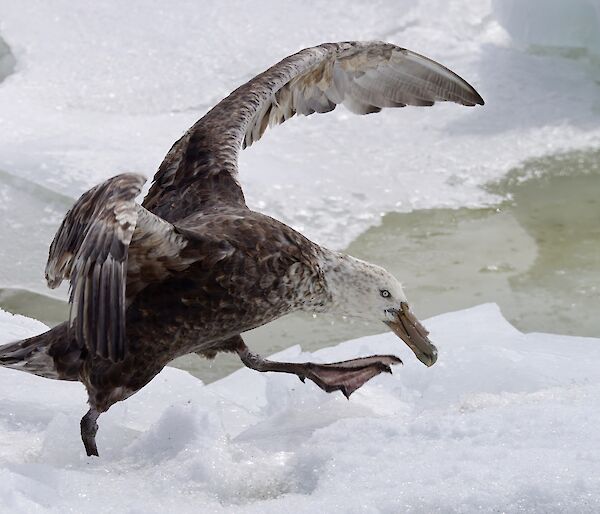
[345, 376]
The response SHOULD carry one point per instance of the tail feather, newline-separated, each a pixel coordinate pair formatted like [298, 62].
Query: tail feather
[49, 355]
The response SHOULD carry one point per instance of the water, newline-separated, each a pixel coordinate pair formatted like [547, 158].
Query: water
[537, 254]
[50, 311]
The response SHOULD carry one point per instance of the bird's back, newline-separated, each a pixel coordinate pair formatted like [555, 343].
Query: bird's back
[246, 269]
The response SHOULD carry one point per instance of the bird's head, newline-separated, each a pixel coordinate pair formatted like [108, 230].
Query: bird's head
[363, 290]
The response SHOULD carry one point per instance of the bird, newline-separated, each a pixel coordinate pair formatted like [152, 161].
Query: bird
[192, 267]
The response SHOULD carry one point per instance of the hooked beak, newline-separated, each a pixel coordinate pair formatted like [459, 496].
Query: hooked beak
[408, 328]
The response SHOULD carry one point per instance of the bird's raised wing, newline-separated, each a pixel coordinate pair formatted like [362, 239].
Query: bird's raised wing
[91, 249]
[200, 170]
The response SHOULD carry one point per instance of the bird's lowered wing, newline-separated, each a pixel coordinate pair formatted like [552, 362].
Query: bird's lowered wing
[200, 170]
[91, 249]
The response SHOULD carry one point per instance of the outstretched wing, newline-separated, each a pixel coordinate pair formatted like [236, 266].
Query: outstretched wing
[91, 250]
[200, 170]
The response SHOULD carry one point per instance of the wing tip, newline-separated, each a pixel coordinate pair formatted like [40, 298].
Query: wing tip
[478, 99]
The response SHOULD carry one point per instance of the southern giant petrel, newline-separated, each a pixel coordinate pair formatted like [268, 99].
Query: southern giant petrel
[192, 268]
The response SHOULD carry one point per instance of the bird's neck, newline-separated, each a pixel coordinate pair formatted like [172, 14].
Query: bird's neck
[342, 278]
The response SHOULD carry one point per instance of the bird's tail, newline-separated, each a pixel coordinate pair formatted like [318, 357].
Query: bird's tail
[49, 355]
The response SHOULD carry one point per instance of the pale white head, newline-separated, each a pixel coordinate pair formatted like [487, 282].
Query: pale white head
[360, 289]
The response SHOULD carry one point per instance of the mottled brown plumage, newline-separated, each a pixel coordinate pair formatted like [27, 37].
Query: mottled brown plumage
[192, 267]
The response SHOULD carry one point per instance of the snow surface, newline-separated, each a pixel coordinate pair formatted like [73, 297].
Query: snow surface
[105, 87]
[504, 422]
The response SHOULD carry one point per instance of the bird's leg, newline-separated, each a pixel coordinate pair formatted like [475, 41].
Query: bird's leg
[89, 427]
[345, 376]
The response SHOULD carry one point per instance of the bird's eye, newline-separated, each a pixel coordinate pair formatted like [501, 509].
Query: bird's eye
[385, 293]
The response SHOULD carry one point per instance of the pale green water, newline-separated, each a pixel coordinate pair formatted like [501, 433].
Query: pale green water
[537, 255]
[50, 311]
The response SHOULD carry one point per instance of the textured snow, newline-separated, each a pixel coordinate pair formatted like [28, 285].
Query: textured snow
[504, 422]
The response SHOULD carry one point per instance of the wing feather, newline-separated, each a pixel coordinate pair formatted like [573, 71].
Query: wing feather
[200, 171]
[92, 250]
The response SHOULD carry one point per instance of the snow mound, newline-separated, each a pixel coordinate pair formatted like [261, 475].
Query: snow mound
[504, 421]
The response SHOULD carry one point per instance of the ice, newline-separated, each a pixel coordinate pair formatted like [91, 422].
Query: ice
[505, 421]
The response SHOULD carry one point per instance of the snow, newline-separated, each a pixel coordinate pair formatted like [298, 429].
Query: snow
[504, 422]
[100, 88]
